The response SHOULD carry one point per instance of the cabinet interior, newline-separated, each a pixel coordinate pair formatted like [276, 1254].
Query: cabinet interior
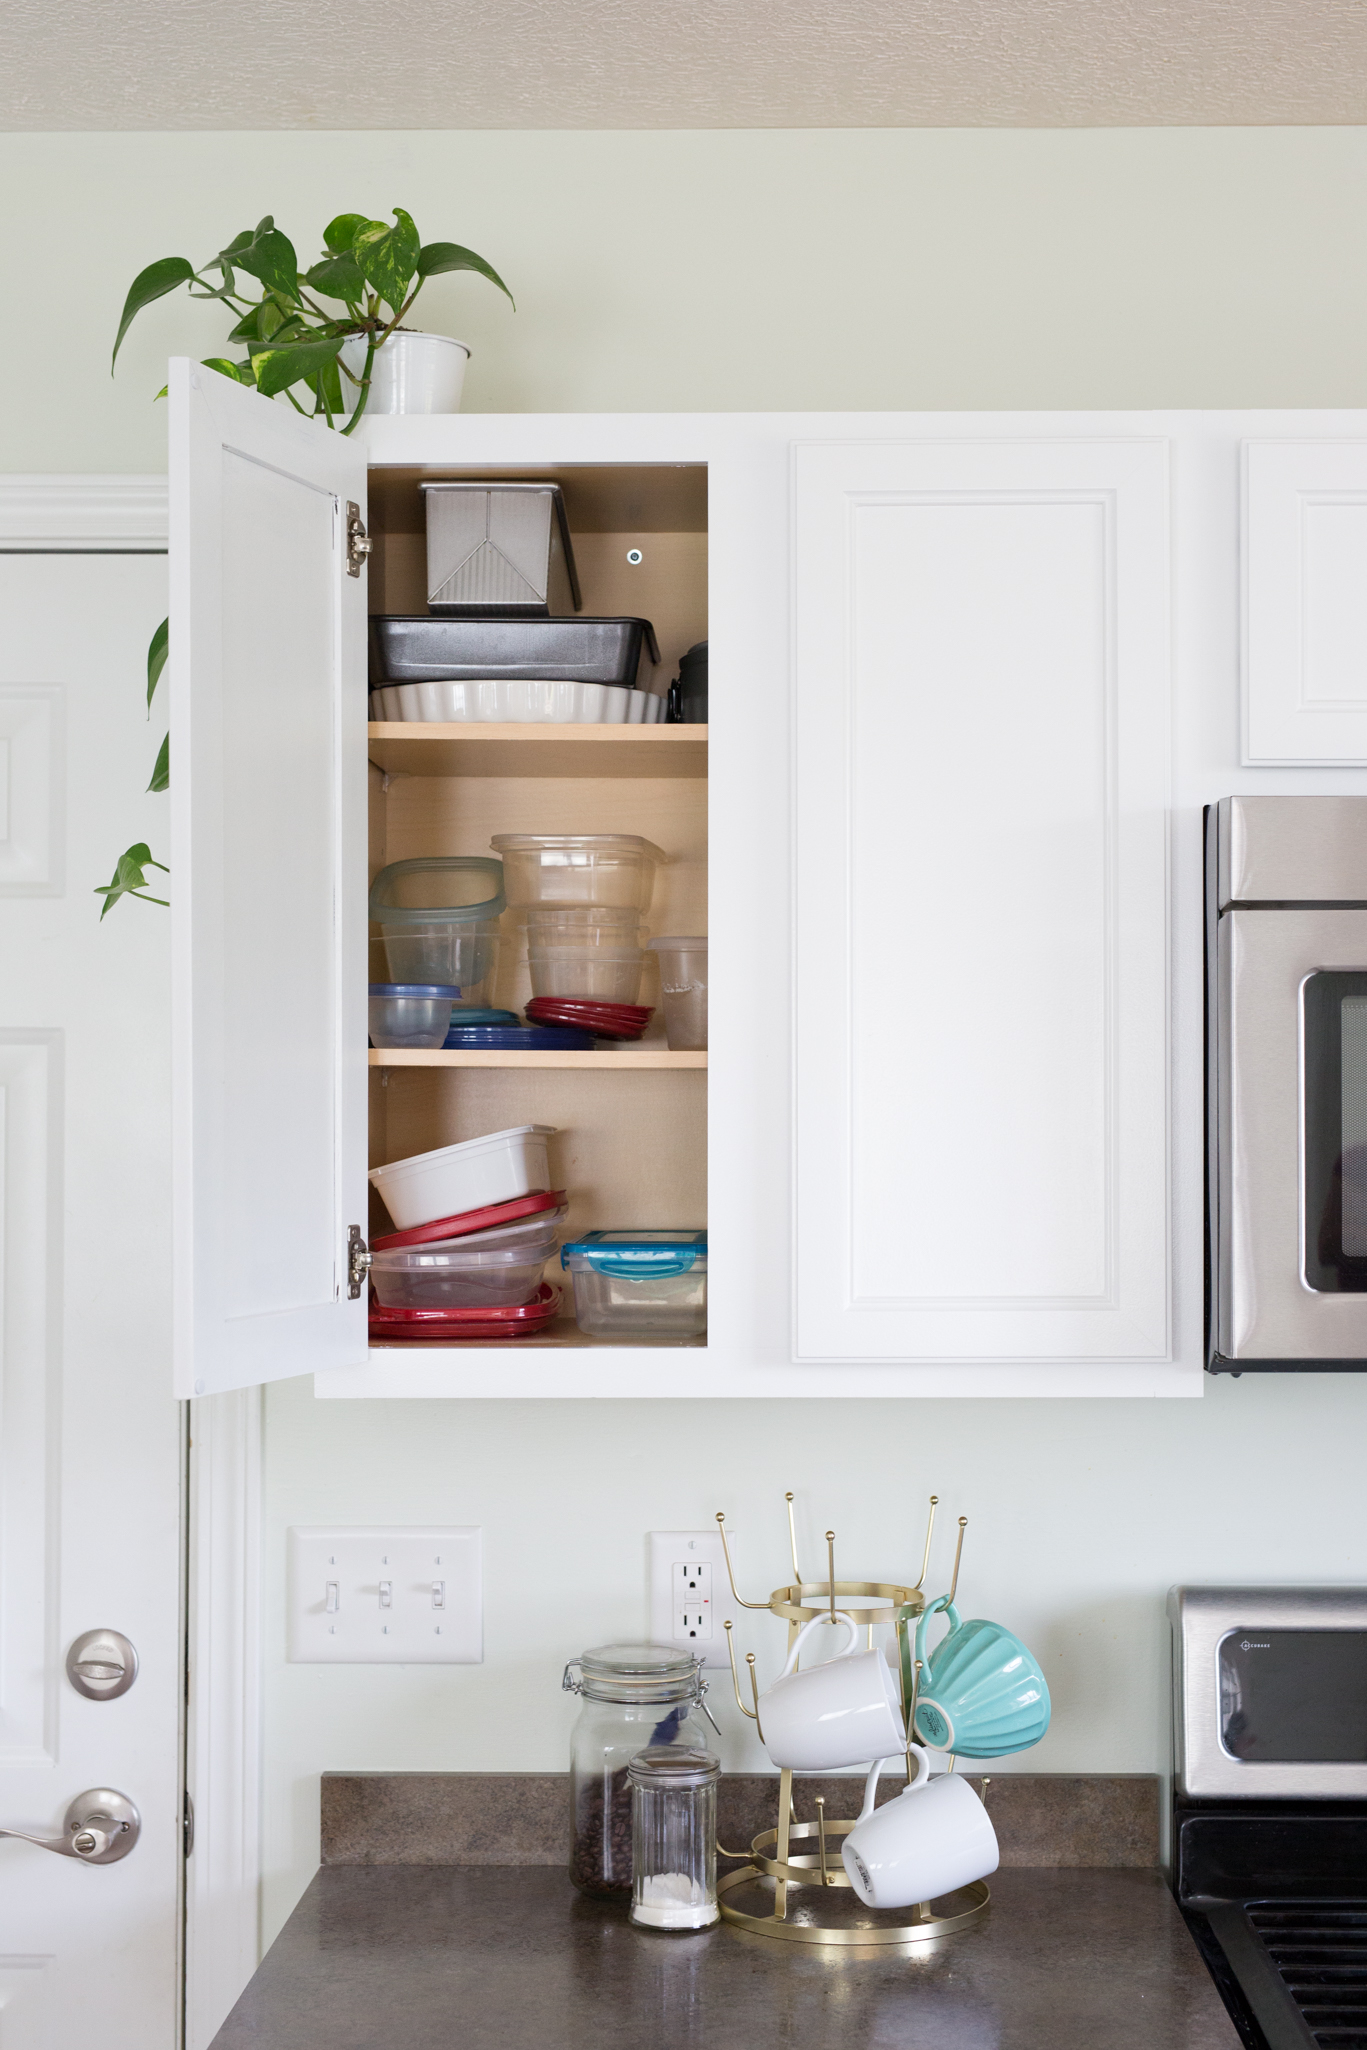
[631, 1143]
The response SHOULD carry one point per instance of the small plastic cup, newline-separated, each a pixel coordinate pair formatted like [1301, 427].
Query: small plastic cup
[410, 1014]
[683, 990]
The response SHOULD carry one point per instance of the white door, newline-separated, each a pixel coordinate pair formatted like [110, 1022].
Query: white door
[982, 660]
[90, 1458]
[268, 846]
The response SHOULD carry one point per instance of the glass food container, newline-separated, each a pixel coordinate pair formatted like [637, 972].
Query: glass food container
[674, 1838]
[636, 1697]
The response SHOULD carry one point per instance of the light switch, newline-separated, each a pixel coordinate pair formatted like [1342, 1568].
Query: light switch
[403, 1597]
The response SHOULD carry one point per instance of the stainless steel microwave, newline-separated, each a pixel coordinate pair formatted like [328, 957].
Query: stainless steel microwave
[1269, 1692]
[1286, 1095]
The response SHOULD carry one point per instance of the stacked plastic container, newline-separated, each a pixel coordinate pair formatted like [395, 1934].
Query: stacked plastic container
[583, 898]
[477, 1224]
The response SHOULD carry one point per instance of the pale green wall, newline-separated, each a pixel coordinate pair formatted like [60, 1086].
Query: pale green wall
[1180, 267]
[735, 271]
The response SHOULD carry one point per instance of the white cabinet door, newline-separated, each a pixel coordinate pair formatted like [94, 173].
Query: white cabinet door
[1305, 602]
[268, 843]
[982, 684]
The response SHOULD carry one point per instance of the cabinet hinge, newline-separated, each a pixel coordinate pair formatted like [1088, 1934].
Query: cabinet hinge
[357, 1261]
[358, 542]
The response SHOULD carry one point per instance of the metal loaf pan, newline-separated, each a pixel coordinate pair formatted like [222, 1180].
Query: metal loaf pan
[422, 649]
[499, 549]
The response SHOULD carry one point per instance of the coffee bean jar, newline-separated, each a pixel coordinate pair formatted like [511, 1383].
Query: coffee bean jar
[635, 1697]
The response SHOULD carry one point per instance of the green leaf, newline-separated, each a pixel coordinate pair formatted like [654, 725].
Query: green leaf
[157, 650]
[161, 774]
[337, 277]
[129, 877]
[388, 257]
[328, 385]
[153, 283]
[339, 236]
[267, 255]
[277, 369]
[441, 256]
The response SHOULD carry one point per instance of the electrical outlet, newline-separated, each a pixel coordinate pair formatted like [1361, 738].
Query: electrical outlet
[407, 1597]
[689, 1591]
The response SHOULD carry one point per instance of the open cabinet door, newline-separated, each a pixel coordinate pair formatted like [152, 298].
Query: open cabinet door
[268, 682]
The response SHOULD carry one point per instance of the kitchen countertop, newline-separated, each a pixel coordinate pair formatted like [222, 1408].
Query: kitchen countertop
[422, 1957]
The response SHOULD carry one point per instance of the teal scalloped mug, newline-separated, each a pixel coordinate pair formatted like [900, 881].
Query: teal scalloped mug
[982, 1692]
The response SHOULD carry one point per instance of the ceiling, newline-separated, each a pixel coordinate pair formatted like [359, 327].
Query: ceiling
[454, 64]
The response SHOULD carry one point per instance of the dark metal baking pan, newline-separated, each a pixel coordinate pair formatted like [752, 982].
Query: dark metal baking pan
[423, 649]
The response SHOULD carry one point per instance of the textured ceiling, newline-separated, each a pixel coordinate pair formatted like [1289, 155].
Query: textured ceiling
[450, 64]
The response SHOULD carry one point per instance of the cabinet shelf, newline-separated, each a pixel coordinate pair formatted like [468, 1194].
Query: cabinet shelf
[634, 1061]
[414, 748]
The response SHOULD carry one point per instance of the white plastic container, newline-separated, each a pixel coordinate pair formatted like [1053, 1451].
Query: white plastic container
[462, 1273]
[578, 868]
[452, 1179]
[683, 992]
[639, 1284]
[409, 373]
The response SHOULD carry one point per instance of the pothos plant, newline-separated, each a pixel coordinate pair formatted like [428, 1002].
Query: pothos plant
[374, 272]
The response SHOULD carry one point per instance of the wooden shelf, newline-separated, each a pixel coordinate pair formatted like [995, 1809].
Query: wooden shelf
[413, 748]
[633, 1059]
[562, 1334]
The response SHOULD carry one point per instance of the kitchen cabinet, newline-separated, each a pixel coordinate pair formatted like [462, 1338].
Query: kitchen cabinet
[1305, 600]
[947, 1136]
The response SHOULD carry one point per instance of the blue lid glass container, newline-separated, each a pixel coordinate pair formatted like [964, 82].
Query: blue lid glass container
[639, 1284]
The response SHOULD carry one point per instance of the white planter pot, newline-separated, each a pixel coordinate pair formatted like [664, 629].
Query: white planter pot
[411, 373]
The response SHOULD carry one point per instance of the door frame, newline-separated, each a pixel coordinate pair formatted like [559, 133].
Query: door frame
[221, 1592]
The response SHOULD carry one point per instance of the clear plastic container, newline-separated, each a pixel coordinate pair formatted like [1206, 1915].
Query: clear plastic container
[412, 1014]
[635, 1697]
[579, 868]
[585, 925]
[463, 956]
[639, 1284]
[683, 990]
[674, 1838]
[438, 915]
[605, 974]
[491, 1169]
[461, 1273]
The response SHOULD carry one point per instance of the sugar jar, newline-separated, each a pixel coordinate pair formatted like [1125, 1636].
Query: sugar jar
[635, 1697]
[674, 1838]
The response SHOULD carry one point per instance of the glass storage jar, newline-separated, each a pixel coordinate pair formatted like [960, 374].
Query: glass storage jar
[674, 1838]
[636, 1697]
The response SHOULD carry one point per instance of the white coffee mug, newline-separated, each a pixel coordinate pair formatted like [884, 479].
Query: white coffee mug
[933, 1837]
[835, 1714]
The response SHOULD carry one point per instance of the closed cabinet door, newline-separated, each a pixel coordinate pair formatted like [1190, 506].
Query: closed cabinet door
[91, 1674]
[982, 683]
[268, 684]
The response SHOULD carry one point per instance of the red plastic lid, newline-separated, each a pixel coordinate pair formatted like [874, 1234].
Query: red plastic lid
[460, 1226]
[543, 1305]
[442, 1326]
[585, 1007]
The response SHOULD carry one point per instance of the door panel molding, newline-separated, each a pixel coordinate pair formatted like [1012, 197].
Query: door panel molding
[82, 515]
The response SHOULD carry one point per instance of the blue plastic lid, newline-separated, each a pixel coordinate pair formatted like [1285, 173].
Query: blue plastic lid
[478, 1014]
[415, 989]
[518, 1039]
[636, 1255]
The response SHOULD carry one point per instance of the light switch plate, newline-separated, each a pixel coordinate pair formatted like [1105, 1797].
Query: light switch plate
[409, 1596]
[689, 1591]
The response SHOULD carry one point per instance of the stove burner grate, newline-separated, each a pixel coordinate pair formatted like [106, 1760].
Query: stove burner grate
[1319, 1951]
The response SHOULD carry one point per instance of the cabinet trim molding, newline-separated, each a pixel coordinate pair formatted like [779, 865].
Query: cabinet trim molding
[83, 515]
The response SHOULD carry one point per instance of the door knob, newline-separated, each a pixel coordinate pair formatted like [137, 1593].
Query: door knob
[102, 1665]
[99, 1828]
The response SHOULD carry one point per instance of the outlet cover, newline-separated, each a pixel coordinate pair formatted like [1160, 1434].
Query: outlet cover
[411, 1596]
[689, 1591]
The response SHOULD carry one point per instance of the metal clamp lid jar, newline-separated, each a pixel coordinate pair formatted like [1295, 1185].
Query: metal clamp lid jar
[635, 1697]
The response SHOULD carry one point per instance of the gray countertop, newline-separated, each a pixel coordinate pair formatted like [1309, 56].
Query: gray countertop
[499, 1957]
